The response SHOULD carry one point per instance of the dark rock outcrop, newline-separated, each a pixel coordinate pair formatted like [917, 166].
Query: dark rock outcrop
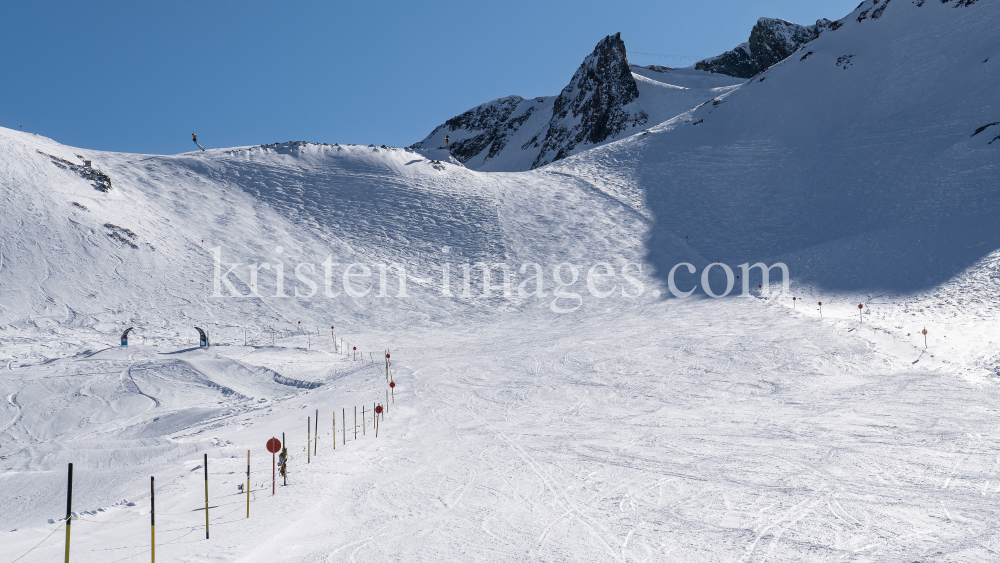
[771, 41]
[594, 106]
[598, 104]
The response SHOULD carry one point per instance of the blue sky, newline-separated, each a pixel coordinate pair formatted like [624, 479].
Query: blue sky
[143, 76]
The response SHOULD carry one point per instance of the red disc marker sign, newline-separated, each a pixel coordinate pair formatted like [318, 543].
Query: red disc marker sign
[274, 445]
[378, 409]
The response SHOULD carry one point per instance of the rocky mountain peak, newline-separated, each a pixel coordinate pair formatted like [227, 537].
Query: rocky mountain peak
[513, 133]
[771, 41]
[595, 105]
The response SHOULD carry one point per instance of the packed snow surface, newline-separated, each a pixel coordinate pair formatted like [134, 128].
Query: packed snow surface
[585, 416]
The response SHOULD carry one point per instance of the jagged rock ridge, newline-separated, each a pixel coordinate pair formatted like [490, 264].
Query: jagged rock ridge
[598, 104]
[771, 41]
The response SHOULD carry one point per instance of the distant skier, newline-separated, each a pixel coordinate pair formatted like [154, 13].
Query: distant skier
[194, 137]
[283, 464]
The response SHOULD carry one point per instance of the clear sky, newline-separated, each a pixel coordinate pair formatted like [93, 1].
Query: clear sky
[143, 76]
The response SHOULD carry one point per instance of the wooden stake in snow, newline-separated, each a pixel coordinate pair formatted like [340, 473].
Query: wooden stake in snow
[364, 421]
[821, 308]
[308, 439]
[924, 332]
[860, 314]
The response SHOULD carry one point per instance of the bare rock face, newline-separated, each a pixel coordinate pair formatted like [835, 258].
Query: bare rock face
[771, 41]
[516, 133]
[596, 105]
[484, 127]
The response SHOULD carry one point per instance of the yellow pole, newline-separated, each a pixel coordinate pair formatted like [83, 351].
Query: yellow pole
[152, 518]
[69, 509]
[206, 496]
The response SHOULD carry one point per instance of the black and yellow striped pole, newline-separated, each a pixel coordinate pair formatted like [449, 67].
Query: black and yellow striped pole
[248, 483]
[69, 508]
[206, 496]
[152, 517]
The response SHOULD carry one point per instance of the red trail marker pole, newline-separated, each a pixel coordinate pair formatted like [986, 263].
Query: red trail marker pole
[273, 446]
[392, 385]
[793, 303]
[924, 332]
[860, 306]
[820, 308]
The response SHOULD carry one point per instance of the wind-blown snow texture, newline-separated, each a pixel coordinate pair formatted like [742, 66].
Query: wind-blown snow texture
[634, 428]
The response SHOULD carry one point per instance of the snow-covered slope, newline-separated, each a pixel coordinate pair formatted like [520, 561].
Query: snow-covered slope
[852, 161]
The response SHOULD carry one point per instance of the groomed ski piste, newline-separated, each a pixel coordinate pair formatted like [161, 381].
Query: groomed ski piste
[600, 421]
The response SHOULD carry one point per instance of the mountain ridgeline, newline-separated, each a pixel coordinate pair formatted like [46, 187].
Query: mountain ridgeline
[771, 41]
[598, 104]
[603, 101]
